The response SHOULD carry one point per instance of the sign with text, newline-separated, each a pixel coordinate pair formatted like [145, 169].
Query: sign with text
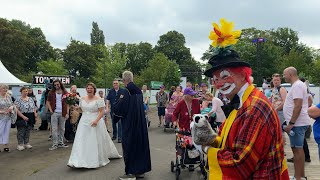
[39, 79]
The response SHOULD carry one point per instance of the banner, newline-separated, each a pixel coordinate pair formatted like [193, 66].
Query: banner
[39, 79]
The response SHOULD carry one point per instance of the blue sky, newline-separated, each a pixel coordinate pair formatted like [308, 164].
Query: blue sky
[145, 20]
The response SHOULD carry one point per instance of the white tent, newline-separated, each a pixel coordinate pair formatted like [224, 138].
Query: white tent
[9, 79]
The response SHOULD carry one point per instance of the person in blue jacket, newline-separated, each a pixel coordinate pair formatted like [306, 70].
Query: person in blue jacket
[314, 112]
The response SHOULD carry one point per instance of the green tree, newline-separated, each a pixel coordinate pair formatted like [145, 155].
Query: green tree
[22, 46]
[172, 75]
[156, 70]
[52, 67]
[41, 49]
[192, 69]
[172, 45]
[14, 47]
[138, 56]
[295, 59]
[97, 36]
[109, 67]
[284, 37]
[80, 60]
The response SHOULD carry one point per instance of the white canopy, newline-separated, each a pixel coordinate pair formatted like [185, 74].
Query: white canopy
[9, 79]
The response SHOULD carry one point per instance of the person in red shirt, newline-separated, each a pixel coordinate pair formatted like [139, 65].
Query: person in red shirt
[185, 109]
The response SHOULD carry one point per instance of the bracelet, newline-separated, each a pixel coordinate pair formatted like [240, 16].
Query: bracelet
[292, 123]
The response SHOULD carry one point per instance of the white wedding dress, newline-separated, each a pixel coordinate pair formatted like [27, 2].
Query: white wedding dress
[92, 146]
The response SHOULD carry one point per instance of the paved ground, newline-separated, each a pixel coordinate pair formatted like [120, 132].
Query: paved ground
[40, 163]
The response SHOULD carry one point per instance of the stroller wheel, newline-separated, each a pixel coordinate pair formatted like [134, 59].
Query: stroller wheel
[172, 166]
[191, 168]
[177, 174]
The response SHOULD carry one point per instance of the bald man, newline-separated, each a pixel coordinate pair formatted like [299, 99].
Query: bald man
[295, 112]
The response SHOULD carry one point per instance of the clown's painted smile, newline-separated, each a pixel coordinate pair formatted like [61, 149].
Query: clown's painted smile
[227, 86]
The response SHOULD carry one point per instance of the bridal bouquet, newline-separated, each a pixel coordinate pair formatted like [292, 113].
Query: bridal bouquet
[71, 98]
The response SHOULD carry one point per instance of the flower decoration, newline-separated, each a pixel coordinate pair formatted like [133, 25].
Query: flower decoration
[224, 36]
[71, 98]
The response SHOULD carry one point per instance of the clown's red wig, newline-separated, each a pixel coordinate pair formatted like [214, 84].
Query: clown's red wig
[242, 69]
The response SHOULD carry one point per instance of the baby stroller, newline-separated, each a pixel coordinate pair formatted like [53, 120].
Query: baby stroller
[187, 156]
[168, 117]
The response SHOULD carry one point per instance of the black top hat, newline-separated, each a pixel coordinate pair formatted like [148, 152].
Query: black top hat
[223, 58]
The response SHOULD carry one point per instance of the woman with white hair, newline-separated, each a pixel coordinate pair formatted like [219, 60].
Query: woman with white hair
[6, 109]
[135, 142]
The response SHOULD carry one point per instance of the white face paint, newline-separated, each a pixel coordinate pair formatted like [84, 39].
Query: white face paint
[227, 88]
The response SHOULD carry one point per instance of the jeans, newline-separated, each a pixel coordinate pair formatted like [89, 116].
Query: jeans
[116, 131]
[298, 140]
[58, 128]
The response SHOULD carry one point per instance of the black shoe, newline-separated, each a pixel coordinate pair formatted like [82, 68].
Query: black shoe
[119, 141]
[139, 175]
[290, 160]
[308, 160]
[114, 138]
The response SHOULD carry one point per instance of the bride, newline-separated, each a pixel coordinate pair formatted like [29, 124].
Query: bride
[92, 146]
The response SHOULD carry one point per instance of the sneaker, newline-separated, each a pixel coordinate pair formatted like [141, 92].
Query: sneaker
[114, 138]
[119, 141]
[50, 138]
[53, 148]
[28, 146]
[62, 146]
[292, 178]
[127, 177]
[20, 147]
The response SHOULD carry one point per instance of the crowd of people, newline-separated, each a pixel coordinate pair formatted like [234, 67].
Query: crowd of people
[288, 112]
[257, 111]
[82, 121]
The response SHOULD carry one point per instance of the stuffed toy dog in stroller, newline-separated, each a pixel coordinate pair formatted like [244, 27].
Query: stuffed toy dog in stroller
[202, 133]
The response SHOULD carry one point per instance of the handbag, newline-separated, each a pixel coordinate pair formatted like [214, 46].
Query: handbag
[21, 123]
[74, 115]
[13, 115]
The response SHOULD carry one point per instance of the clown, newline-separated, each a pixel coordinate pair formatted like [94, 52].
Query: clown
[249, 143]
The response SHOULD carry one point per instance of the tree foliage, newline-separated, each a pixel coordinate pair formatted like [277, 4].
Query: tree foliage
[281, 49]
[97, 36]
[25, 51]
[138, 55]
[22, 47]
[160, 68]
[52, 67]
[109, 67]
[172, 45]
[80, 59]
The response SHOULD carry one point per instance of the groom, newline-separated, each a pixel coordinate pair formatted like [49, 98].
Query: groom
[135, 142]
